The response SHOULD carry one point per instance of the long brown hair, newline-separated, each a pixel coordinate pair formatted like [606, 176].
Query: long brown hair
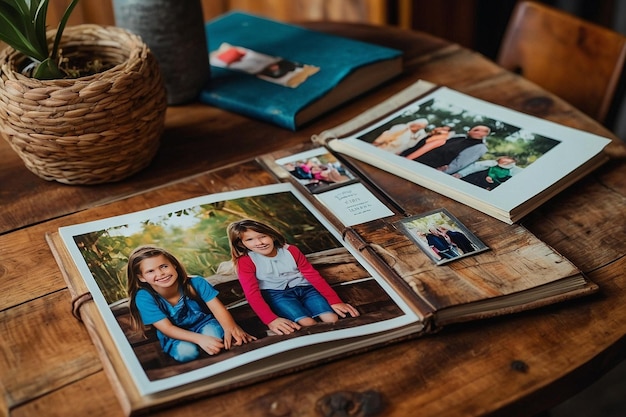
[133, 271]
[236, 229]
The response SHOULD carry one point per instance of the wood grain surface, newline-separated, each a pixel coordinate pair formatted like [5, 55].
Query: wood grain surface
[516, 365]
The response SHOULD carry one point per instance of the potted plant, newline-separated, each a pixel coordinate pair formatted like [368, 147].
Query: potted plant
[81, 104]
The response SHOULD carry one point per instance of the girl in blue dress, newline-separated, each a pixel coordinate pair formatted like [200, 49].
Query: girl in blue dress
[185, 311]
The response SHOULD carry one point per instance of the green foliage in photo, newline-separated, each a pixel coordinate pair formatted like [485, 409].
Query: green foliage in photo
[197, 237]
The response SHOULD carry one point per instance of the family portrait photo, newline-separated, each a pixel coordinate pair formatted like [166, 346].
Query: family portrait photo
[318, 170]
[441, 236]
[478, 149]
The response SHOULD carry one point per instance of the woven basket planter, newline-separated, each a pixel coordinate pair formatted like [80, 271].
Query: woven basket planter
[89, 130]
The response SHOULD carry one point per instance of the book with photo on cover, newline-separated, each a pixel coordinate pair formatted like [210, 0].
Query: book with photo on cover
[371, 246]
[286, 74]
[500, 161]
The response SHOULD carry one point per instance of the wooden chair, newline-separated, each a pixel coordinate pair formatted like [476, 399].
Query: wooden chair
[577, 60]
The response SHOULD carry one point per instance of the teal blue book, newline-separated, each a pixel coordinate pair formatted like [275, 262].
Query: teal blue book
[286, 74]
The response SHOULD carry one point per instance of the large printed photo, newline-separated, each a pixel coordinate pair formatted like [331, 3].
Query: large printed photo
[241, 276]
[462, 142]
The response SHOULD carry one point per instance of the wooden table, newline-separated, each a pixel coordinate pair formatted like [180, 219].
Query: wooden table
[49, 366]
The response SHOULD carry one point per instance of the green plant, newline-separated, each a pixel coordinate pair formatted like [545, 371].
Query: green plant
[23, 27]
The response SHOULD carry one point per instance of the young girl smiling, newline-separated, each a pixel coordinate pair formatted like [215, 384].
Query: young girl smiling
[280, 284]
[185, 310]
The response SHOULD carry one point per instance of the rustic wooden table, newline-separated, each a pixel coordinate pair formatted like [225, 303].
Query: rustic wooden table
[49, 366]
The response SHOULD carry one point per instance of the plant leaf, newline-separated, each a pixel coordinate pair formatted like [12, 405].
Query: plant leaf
[23, 27]
[62, 23]
[48, 70]
[39, 13]
[16, 29]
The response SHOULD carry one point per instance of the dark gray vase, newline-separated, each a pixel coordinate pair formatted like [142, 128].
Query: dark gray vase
[174, 32]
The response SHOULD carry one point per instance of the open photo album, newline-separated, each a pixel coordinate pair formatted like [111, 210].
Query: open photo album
[498, 160]
[382, 283]
[95, 255]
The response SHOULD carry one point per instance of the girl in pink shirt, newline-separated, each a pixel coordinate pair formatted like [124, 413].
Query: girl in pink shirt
[280, 284]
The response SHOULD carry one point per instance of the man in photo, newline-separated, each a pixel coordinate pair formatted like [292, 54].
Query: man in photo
[458, 152]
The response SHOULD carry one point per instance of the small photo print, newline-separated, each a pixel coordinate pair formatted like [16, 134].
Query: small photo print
[274, 69]
[441, 236]
[318, 170]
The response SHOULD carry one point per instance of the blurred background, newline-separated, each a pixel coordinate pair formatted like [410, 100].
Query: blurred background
[475, 24]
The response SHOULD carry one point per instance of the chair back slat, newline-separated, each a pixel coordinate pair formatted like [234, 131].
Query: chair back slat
[577, 60]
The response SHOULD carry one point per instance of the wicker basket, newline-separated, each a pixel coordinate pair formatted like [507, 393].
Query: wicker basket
[89, 130]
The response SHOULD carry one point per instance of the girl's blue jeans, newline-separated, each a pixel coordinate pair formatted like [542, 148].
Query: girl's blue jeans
[297, 302]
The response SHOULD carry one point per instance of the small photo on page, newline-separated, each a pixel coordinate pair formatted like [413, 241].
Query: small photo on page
[318, 170]
[441, 236]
